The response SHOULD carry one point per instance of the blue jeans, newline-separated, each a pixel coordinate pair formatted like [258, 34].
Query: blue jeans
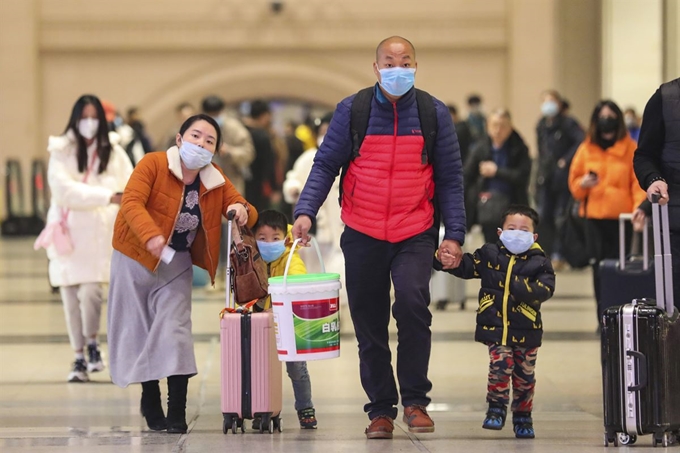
[302, 386]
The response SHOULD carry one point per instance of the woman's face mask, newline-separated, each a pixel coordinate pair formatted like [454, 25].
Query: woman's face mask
[271, 251]
[88, 127]
[193, 156]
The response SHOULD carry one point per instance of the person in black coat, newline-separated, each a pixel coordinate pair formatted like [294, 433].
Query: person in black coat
[517, 277]
[559, 136]
[657, 165]
[496, 174]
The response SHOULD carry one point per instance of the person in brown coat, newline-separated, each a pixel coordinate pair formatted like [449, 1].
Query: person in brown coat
[170, 218]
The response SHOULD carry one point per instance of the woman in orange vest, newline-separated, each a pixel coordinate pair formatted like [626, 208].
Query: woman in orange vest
[602, 179]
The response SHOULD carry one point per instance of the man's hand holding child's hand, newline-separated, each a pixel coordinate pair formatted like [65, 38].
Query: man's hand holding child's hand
[448, 260]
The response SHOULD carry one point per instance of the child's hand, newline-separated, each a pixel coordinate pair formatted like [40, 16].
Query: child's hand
[446, 259]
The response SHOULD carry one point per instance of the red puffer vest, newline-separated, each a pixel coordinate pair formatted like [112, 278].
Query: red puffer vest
[388, 191]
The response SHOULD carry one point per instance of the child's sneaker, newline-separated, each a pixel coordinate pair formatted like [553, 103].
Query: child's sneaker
[524, 425]
[307, 418]
[79, 373]
[495, 417]
[95, 362]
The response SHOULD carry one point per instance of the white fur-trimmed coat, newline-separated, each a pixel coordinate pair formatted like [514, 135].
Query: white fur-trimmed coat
[91, 215]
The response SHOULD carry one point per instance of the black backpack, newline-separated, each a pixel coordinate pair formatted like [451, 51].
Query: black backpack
[361, 111]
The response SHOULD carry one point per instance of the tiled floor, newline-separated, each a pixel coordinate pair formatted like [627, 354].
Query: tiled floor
[40, 412]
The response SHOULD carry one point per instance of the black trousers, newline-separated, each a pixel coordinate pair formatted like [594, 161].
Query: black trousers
[369, 266]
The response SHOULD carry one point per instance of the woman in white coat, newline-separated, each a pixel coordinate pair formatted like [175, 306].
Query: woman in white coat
[329, 227]
[87, 173]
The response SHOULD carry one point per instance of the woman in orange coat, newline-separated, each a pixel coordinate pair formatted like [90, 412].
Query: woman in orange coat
[601, 177]
[170, 218]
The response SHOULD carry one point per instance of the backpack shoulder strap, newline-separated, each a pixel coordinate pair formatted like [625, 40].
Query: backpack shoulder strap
[359, 114]
[358, 125]
[428, 123]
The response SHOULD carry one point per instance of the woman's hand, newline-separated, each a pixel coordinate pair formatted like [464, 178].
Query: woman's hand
[241, 213]
[589, 180]
[639, 220]
[116, 198]
[155, 245]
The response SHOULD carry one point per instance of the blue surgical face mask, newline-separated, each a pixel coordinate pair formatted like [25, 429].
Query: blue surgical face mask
[550, 109]
[517, 241]
[271, 251]
[397, 81]
[193, 156]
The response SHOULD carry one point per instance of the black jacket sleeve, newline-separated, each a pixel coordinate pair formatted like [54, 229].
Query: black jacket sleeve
[537, 289]
[647, 160]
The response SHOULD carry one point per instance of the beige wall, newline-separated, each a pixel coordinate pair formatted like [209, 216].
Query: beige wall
[156, 54]
[633, 43]
[672, 39]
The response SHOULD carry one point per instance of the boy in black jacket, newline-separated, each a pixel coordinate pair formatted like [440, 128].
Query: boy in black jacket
[516, 278]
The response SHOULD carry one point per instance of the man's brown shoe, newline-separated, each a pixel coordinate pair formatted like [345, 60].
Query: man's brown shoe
[381, 427]
[417, 419]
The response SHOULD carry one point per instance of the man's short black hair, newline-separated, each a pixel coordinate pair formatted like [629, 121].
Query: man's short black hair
[212, 104]
[453, 110]
[273, 219]
[258, 108]
[522, 210]
[474, 99]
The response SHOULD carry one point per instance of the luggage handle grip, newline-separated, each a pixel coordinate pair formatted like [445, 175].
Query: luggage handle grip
[623, 217]
[231, 214]
[642, 370]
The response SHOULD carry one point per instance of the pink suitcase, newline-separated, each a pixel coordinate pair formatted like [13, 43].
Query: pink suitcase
[251, 372]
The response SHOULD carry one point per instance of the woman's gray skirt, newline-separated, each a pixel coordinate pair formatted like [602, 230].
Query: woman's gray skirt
[149, 320]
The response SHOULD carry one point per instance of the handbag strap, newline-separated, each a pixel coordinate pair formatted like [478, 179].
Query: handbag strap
[237, 237]
[65, 211]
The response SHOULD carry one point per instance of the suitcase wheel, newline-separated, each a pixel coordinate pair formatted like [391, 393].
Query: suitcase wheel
[609, 439]
[627, 439]
[664, 439]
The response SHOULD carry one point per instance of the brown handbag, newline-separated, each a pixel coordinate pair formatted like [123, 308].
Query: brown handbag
[249, 280]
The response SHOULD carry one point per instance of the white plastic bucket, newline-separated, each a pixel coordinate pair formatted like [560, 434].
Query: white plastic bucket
[306, 313]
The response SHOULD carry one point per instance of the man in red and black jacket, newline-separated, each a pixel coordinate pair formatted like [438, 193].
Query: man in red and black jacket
[391, 195]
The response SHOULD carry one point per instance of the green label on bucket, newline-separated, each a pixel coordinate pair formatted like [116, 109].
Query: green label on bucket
[317, 325]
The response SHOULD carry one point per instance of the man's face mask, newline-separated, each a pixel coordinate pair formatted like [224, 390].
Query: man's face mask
[397, 81]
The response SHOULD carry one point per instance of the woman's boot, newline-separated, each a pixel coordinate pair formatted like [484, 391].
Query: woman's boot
[151, 407]
[177, 403]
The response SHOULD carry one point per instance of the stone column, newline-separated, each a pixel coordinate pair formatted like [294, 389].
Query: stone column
[532, 65]
[632, 50]
[19, 88]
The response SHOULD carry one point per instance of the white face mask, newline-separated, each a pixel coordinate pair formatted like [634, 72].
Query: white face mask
[517, 241]
[88, 127]
[193, 156]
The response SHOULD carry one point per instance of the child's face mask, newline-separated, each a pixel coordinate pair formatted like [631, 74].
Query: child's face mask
[271, 251]
[517, 241]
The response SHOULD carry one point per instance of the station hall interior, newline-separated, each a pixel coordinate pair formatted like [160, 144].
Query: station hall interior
[301, 58]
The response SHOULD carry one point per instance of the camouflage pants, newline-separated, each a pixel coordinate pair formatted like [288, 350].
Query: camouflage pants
[508, 362]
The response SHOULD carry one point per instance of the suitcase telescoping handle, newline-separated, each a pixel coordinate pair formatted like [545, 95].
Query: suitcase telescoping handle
[230, 222]
[622, 241]
[663, 267]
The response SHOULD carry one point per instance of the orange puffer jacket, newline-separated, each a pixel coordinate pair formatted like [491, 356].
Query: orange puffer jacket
[151, 204]
[618, 190]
